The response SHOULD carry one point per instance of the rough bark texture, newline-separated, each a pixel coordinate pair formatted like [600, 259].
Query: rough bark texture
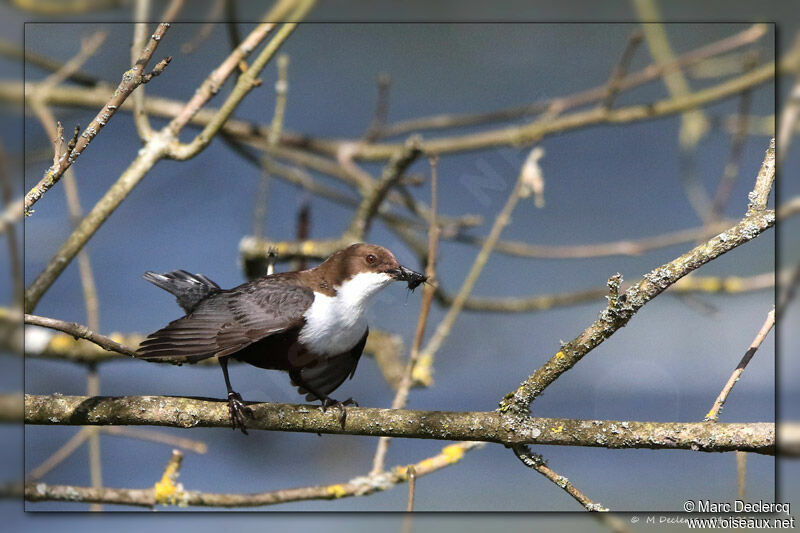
[441, 425]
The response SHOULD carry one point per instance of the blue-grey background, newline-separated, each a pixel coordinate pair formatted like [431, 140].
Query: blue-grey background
[603, 183]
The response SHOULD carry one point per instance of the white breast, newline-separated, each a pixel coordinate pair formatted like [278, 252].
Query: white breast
[334, 324]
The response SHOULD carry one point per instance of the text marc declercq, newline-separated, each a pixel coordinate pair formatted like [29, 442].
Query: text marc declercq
[740, 506]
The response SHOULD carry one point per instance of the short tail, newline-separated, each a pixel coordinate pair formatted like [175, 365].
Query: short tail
[189, 289]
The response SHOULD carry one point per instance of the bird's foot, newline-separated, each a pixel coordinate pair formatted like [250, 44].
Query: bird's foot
[237, 411]
[328, 402]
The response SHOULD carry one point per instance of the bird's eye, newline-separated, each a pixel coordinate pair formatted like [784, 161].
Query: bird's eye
[371, 259]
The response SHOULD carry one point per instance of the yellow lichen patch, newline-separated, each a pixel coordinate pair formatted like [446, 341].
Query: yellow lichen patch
[710, 284]
[453, 453]
[281, 247]
[166, 491]
[734, 284]
[337, 491]
[559, 429]
[425, 465]
[422, 372]
[61, 342]
[308, 247]
[709, 414]
[560, 355]
[401, 472]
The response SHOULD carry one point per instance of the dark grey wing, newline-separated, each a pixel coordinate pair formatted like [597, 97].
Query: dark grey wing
[189, 289]
[228, 321]
[326, 376]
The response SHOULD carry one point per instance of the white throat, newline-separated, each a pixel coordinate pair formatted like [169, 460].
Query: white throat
[335, 324]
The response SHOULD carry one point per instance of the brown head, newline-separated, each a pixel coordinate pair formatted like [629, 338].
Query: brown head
[362, 258]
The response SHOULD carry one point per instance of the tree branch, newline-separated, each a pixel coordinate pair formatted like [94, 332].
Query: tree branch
[713, 414]
[536, 130]
[159, 145]
[491, 426]
[390, 176]
[359, 486]
[535, 461]
[622, 307]
[131, 79]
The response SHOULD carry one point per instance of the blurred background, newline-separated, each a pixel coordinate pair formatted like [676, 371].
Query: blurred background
[603, 184]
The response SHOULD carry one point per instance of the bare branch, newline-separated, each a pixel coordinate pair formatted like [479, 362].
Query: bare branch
[159, 145]
[359, 486]
[391, 175]
[536, 130]
[535, 461]
[694, 124]
[78, 331]
[131, 79]
[491, 426]
[713, 414]
[621, 69]
[620, 310]
[650, 73]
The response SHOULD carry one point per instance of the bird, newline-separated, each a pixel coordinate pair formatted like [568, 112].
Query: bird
[309, 323]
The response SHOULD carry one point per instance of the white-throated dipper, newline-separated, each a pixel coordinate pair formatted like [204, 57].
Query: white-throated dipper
[310, 323]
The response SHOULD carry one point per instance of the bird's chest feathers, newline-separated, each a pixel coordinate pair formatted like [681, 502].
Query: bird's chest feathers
[335, 324]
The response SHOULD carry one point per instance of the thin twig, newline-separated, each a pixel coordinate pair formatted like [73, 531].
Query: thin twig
[411, 473]
[535, 461]
[621, 69]
[131, 79]
[390, 176]
[262, 194]
[141, 17]
[713, 414]
[13, 51]
[193, 445]
[14, 256]
[213, 15]
[425, 362]
[741, 475]
[401, 397]
[375, 129]
[78, 331]
[281, 92]
[694, 124]
[62, 453]
[738, 139]
[789, 120]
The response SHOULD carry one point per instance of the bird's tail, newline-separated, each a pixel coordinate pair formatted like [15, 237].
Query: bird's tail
[189, 289]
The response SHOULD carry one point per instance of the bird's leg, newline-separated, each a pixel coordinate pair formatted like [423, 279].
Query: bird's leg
[236, 407]
[326, 400]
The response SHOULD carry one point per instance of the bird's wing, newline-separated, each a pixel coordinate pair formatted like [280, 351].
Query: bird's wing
[326, 376]
[228, 321]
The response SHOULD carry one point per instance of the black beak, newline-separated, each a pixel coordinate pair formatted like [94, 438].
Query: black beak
[414, 279]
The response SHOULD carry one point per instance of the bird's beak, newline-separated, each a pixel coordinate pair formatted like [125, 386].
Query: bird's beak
[414, 279]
